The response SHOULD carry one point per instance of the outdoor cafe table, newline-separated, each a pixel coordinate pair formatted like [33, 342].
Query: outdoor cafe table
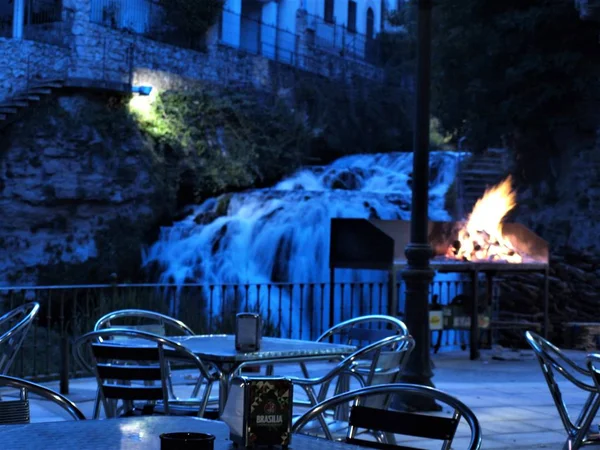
[133, 433]
[219, 349]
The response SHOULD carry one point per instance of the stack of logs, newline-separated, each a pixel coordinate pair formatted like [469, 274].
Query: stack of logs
[573, 294]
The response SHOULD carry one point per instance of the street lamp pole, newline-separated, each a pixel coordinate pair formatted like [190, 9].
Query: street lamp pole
[418, 273]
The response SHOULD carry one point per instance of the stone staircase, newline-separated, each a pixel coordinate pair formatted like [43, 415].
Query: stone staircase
[478, 173]
[11, 108]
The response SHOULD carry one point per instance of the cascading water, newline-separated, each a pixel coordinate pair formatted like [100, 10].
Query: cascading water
[281, 234]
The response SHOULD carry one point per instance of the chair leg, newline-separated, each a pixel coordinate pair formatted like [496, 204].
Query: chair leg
[197, 387]
[577, 440]
[304, 370]
[96, 413]
[170, 382]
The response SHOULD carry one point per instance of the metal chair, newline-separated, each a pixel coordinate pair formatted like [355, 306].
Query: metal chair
[151, 322]
[552, 359]
[17, 411]
[365, 329]
[352, 365]
[359, 331]
[382, 424]
[159, 322]
[121, 364]
[18, 321]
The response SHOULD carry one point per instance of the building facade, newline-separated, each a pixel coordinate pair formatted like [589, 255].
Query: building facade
[277, 29]
[114, 44]
[280, 29]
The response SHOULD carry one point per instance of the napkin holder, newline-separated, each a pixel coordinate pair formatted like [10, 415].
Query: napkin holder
[259, 411]
[248, 332]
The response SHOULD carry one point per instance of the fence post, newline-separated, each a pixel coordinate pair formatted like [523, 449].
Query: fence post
[64, 366]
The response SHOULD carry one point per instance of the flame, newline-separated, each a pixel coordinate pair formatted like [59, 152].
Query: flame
[481, 238]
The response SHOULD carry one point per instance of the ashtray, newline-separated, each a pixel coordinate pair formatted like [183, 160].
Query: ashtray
[182, 440]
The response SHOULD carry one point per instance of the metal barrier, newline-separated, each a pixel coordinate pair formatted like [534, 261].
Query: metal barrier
[289, 310]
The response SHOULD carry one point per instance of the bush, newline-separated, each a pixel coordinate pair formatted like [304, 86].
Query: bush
[230, 139]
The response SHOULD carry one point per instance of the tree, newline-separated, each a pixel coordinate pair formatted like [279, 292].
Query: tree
[517, 69]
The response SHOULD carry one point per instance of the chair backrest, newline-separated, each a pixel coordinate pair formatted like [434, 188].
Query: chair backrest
[17, 411]
[14, 326]
[365, 364]
[131, 365]
[551, 360]
[364, 330]
[387, 425]
[387, 361]
[142, 320]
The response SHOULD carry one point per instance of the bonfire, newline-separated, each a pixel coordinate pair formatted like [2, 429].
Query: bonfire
[480, 238]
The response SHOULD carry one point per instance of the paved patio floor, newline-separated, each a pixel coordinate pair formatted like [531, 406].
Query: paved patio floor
[509, 397]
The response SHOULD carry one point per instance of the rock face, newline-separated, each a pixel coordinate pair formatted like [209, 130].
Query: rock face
[563, 204]
[80, 188]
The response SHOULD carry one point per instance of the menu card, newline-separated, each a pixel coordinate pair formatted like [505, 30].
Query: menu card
[259, 411]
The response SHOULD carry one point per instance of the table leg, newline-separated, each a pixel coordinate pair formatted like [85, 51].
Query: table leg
[223, 391]
[474, 344]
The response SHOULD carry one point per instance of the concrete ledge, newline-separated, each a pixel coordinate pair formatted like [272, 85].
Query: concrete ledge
[101, 85]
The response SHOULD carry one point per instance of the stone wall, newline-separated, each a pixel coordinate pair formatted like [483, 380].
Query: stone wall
[21, 61]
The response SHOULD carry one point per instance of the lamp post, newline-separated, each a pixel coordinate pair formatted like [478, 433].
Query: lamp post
[418, 273]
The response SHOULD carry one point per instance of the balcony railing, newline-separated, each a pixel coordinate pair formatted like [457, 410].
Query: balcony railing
[146, 17]
[43, 21]
[299, 310]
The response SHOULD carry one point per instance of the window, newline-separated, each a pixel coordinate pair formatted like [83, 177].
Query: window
[329, 11]
[370, 23]
[351, 16]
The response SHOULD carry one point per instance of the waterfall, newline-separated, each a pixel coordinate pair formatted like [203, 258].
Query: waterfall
[281, 234]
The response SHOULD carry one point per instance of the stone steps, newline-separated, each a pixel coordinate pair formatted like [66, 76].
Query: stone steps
[10, 108]
[28, 97]
[14, 104]
[480, 173]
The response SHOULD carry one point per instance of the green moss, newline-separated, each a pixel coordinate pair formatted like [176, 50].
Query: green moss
[223, 205]
[229, 139]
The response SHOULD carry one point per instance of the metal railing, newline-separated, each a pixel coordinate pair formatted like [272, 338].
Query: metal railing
[335, 37]
[146, 17]
[300, 50]
[289, 310]
[41, 18]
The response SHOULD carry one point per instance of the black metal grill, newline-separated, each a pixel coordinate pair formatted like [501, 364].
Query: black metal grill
[379, 245]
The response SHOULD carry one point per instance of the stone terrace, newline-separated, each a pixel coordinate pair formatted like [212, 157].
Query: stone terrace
[509, 397]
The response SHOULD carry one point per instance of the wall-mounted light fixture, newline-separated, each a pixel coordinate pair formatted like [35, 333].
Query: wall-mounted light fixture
[141, 90]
